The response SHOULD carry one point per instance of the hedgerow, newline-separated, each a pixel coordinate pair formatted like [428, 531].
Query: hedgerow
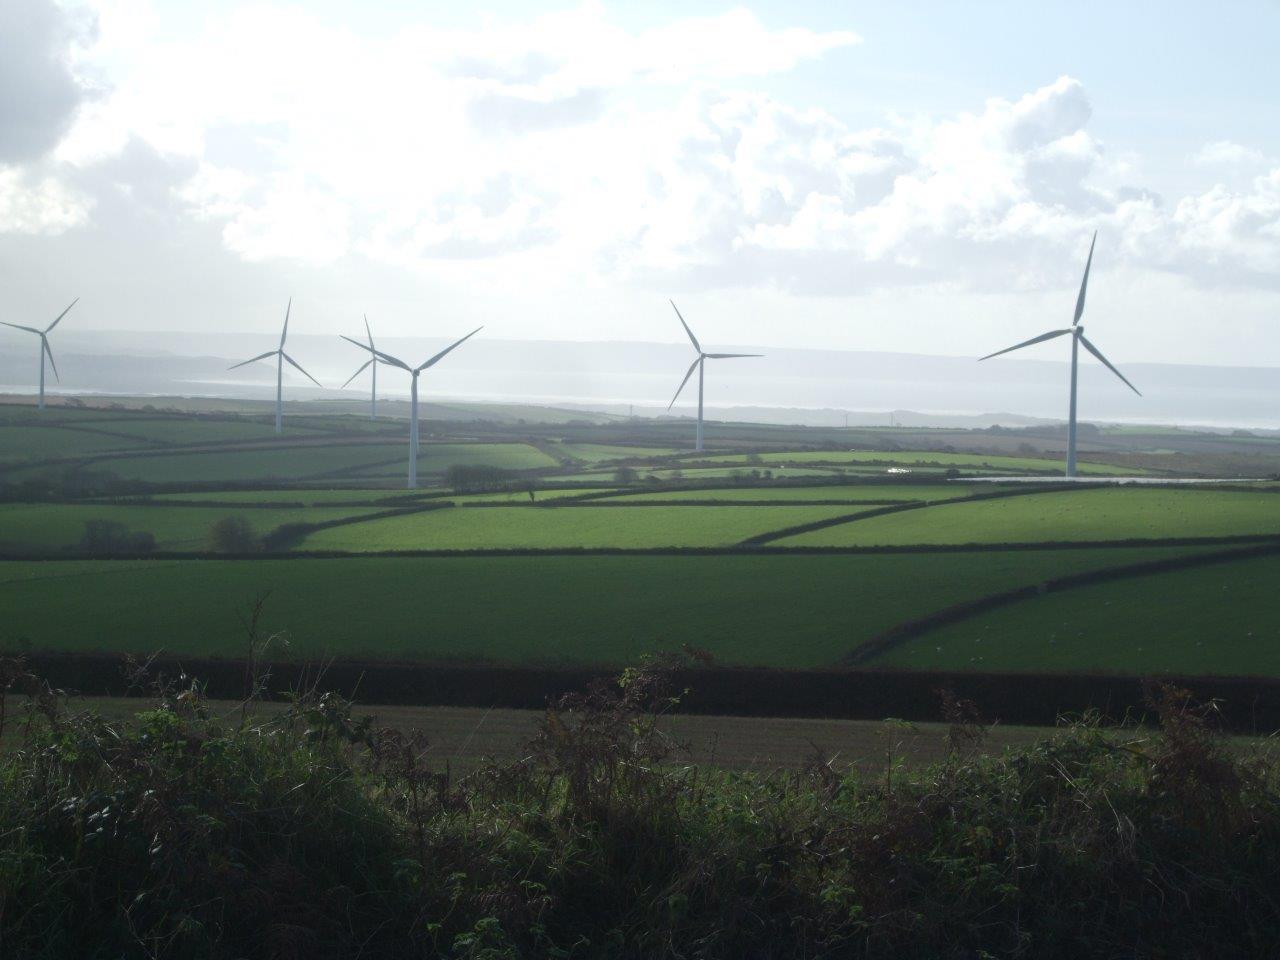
[317, 834]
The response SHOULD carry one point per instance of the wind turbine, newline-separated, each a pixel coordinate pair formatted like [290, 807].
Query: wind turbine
[371, 362]
[1077, 339]
[44, 347]
[281, 357]
[699, 364]
[413, 394]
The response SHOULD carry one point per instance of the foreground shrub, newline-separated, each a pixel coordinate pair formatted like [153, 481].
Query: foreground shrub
[181, 834]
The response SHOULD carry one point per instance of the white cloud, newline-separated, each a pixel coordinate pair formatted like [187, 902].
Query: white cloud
[38, 205]
[1226, 153]
[650, 157]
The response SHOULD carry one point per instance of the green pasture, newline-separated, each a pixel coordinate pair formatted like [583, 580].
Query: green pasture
[23, 444]
[569, 527]
[37, 527]
[783, 611]
[188, 431]
[920, 458]
[314, 460]
[599, 452]
[1219, 619]
[848, 492]
[1103, 513]
[291, 495]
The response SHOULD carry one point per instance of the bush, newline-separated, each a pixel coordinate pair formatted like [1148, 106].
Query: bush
[110, 536]
[625, 475]
[233, 535]
[311, 833]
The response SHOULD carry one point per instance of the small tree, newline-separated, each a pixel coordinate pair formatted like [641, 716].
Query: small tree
[233, 535]
[625, 475]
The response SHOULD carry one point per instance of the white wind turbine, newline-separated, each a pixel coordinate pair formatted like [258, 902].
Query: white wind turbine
[413, 394]
[281, 357]
[699, 364]
[371, 362]
[45, 351]
[1077, 338]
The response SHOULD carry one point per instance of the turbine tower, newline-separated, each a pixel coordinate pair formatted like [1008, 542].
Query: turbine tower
[371, 362]
[281, 358]
[699, 364]
[45, 351]
[413, 392]
[1077, 339]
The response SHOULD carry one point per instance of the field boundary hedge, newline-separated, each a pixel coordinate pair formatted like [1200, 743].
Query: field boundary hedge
[797, 529]
[911, 629]
[1248, 704]
[287, 534]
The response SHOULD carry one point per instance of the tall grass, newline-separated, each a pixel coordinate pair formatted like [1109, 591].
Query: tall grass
[316, 834]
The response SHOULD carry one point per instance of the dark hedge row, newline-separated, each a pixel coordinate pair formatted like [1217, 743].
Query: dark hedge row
[1248, 703]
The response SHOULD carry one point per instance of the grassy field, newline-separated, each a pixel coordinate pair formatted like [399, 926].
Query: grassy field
[565, 528]
[786, 611]
[599, 452]
[39, 527]
[1221, 619]
[302, 462]
[1112, 513]
[851, 493]
[919, 458]
[22, 444]
[319, 496]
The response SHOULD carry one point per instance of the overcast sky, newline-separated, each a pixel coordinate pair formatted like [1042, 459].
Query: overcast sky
[918, 177]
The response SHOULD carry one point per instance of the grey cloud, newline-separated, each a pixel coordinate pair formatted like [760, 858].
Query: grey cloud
[39, 95]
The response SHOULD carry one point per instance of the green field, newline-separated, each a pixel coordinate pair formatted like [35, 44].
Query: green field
[23, 444]
[569, 527]
[1220, 619]
[802, 611]
[39, 527]
[290, 495]
[160, 473]
[851, 493]
[919, 458]
[599, 452]
[319, 460]
[1108, 513]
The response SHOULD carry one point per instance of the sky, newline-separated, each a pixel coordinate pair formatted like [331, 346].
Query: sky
[913, 177]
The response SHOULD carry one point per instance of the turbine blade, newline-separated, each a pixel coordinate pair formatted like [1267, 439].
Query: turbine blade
[696, 345]
[48, 351]
[261, 356]
[693, 366]
[367, 330]
[439, 356]
[1084, 284]
[297, 366]
[1026, 343]
[18, 326]
[729, 356]
[363, 368]
[384, 357]
[285, 332]
[1107, 363]
[61, 315]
